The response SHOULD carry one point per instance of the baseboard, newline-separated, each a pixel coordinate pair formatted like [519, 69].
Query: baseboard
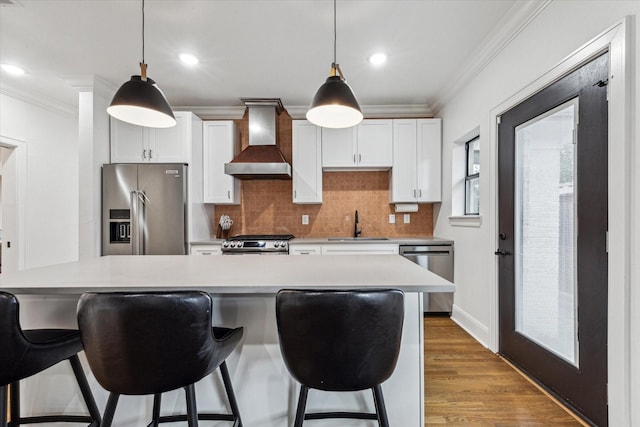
[472, 326]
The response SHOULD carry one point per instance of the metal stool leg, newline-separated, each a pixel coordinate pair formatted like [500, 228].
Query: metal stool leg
[302, 404]
[192, 410]
[226, 379]
[14, 406]
[4, 395]
[380, 408]
[110, 410]
[157, 399]
[85, 390]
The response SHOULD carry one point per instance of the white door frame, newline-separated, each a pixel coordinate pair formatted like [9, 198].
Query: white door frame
[617, 40]
[14, 172]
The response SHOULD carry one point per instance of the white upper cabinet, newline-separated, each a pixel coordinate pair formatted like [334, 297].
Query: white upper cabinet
[220, 145]
[137, 144]
[368, 146]
[417, 158]
[307, 162]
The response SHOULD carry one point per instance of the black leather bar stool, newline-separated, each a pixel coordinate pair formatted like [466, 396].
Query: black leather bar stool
[24, 353]
[143, 343]
[340, 340]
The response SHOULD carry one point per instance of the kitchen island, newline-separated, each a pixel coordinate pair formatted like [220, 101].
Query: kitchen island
[243, 290]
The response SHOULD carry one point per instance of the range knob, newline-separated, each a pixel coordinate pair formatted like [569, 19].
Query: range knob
[276, 244]
[240, 244]
[225, 244]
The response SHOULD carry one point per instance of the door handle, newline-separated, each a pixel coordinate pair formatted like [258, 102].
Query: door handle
[501, 252]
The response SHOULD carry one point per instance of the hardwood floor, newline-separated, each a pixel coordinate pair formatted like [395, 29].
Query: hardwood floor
[466, 384]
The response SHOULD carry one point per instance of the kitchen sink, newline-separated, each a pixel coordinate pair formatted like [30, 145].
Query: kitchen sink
[354, 239]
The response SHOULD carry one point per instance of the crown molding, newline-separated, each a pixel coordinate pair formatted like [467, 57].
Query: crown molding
[91, 83]
[42, 101]
[515, 21]
[215, 113]
[375, 111]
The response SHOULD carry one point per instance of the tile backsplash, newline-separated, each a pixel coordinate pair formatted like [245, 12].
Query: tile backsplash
[267, 208]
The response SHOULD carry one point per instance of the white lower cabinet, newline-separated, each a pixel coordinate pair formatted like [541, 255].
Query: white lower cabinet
[305, 250]
[360, 249]
[206, 250]
[355, 248]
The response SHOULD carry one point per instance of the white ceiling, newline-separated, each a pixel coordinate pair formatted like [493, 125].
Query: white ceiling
[254, 48]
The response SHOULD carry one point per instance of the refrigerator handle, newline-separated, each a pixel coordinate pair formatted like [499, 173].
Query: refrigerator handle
[137, 222]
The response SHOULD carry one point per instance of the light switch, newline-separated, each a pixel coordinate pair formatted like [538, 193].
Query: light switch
[392, 219]
[407, 218]
[305, 219]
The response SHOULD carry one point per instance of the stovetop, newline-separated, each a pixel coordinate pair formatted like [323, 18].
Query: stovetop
[257, 244]
[249, 237]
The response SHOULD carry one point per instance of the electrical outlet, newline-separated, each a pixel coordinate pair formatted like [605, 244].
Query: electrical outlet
[407, 218]
[305, 219]
[392, 219]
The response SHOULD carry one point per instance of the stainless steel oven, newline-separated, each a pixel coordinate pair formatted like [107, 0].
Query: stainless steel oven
[262, 244]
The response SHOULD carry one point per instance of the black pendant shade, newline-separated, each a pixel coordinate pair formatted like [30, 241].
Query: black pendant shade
[142, 103]
[334, 105]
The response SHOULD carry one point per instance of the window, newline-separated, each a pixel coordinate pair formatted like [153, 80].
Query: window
[472, 177]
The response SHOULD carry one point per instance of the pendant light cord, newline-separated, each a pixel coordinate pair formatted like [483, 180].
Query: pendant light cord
[143, 31]
[335, 33]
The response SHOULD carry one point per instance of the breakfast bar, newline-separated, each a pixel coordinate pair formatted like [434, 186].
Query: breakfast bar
[243, 295]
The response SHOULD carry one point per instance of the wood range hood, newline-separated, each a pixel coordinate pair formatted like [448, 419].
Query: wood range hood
[262, 159]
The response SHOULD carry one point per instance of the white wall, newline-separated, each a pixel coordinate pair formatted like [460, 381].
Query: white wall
[560, 29]
[51, 182]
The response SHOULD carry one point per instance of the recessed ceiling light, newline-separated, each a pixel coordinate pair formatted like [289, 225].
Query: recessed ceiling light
[377, 58]
[188, 59]
[12, 69]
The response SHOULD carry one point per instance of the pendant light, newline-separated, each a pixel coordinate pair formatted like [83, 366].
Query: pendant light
[140, 101]
[334, 104]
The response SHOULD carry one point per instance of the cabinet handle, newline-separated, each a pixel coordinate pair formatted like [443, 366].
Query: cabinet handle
[354, 159]
[229, 194]
[144, 154]
[359, 158]
[205, 253]
[420, 192]
[295, 193]
[414, 192]
[150, 154]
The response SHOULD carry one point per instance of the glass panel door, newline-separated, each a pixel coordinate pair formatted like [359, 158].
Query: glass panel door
[545, 231]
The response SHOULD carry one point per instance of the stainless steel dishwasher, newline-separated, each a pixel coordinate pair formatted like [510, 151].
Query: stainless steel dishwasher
[436, 257]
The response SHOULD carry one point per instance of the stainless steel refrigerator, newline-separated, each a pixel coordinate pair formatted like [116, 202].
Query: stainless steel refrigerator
[144, 209]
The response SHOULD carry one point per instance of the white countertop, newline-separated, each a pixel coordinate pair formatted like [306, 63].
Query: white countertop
[370, 240]
[226, 274]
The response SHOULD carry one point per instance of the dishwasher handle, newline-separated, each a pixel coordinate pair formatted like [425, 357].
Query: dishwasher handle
[429, 253]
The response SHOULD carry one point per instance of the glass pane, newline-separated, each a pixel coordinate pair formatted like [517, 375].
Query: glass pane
[472, 193]
[546, 304]
[473, 157]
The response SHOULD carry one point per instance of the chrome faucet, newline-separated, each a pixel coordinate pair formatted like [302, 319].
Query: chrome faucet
[356, 232]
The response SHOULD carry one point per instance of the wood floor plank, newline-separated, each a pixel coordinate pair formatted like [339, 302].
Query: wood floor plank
[466, 384]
